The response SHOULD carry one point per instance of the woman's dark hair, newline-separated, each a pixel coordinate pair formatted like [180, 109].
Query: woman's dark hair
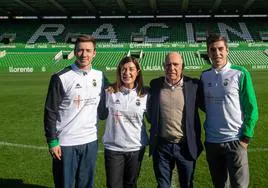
[139, 79]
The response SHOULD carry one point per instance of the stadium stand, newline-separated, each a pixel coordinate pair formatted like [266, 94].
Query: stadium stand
[48, 43]
[119, 31]
[38, 36]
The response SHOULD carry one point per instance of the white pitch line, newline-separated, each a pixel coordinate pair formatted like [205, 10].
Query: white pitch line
[45, 148]
[28, 146]
[257, 149]
[23, 146]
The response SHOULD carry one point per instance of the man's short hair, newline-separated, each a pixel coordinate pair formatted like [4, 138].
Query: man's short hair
[167, 58]
[214, 37]
[85, 38]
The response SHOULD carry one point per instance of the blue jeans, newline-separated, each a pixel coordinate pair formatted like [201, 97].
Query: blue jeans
[76, 167]
[164, 159]
[228, 161]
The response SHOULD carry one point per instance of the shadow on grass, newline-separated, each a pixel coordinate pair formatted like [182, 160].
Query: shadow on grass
[17, 183]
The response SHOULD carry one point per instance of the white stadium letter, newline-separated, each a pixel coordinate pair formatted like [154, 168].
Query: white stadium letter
[49, 34]
[110, 33]
[148, 26]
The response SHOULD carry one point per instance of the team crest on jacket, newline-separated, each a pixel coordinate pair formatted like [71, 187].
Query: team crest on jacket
[138, 102]
[94, 83]
[226, 82]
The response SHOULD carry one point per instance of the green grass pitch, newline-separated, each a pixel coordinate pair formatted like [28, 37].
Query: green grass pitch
[22, 97]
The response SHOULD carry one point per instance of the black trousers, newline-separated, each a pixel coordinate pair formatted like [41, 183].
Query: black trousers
[122, 168]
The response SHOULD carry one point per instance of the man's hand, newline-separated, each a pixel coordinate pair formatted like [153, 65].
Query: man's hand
[55, 152]
[244, 144]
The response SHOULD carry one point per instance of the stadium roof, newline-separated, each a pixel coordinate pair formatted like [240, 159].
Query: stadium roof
[130, 7]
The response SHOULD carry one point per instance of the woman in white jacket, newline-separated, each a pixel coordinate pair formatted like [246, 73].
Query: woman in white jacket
[125, 134]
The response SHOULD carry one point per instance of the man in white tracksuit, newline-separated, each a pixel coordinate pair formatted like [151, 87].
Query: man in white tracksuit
[71, 118]
[231, 114]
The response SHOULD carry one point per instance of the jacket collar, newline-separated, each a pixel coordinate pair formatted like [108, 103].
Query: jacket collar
[76, 69]
[178, 84]
[225, 67]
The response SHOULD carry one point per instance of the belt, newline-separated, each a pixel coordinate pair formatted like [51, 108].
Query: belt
[165, 141]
